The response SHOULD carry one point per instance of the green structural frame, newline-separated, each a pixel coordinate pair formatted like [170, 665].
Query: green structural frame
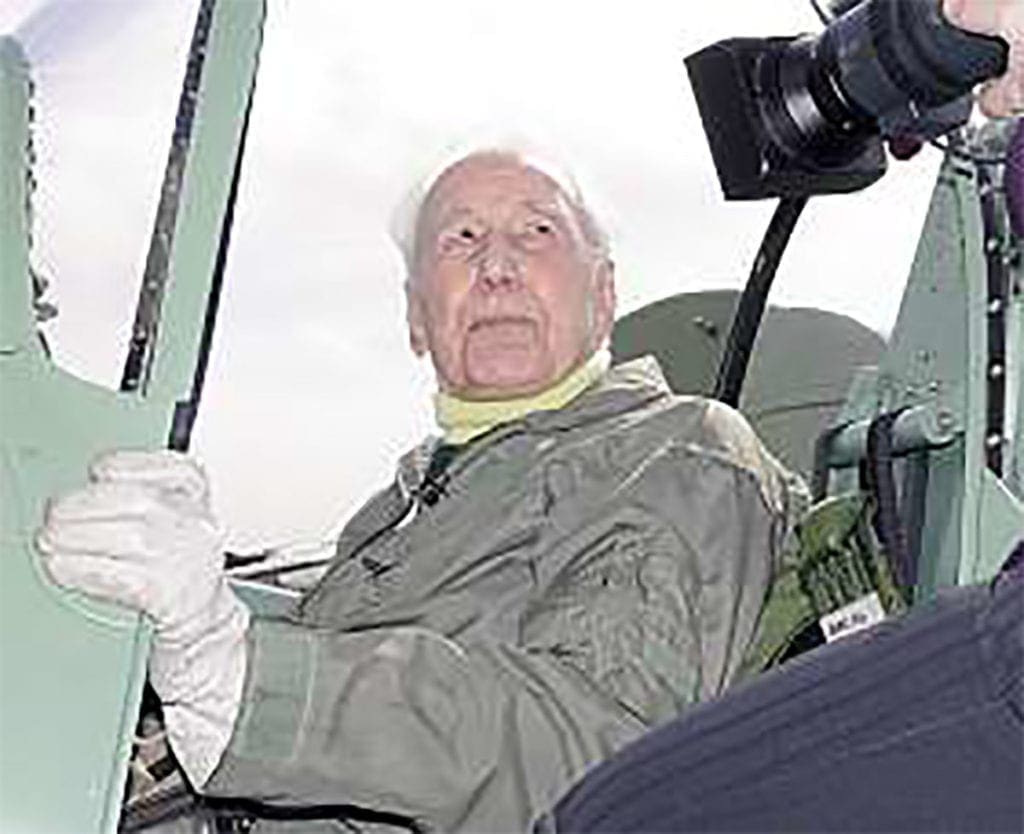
[71, 670]
[938, 366]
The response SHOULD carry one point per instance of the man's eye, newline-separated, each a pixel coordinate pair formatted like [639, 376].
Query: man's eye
[460, 241]
[464, 234]
[541, 227]
[538, 233]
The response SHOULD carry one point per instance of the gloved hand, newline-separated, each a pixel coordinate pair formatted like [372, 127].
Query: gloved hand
[1003, 96]
[141, 534]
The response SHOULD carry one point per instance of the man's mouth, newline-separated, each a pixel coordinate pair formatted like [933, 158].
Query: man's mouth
[501, 322]
[503, 333]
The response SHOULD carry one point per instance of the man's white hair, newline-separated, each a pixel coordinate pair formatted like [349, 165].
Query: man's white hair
[405, 217]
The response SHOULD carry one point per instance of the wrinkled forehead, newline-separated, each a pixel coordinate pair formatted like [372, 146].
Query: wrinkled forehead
[484, 184]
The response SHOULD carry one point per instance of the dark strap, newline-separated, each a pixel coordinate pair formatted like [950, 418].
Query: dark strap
[820, 470]
[879, 480]
[434, 484]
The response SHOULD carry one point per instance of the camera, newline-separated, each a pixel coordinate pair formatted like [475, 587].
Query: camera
[799, 116]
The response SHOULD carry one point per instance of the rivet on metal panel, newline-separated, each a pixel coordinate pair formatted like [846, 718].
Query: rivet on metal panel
[945, 420]
[993, 440]
[995, 306]
[995, 371]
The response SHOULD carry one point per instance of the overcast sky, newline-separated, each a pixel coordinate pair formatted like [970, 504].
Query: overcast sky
[312, 393]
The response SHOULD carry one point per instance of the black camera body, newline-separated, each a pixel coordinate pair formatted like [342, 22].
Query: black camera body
[752, 160]
[798, 116]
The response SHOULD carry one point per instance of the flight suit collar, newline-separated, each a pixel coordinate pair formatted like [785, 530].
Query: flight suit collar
[623, 388]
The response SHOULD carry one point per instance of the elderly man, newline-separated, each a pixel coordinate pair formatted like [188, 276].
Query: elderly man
[582, 556]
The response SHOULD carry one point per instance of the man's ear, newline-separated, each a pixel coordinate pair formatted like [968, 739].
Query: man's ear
[604, 301]
[416, 319]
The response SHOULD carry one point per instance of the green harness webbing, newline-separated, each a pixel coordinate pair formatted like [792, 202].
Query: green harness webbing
[838, 562]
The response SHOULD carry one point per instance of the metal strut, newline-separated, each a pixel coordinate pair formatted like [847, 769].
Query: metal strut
[154, 281]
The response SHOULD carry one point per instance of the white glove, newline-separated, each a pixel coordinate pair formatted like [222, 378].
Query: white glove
[141, 534]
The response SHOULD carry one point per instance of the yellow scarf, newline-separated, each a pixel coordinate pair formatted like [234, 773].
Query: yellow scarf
[462, 420]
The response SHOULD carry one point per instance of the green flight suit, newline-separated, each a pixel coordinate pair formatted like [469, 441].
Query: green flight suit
[585, 574]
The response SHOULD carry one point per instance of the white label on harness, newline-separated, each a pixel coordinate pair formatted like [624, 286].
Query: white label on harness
[859, 614]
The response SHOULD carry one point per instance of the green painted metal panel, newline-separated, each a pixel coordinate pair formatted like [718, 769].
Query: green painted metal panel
[802, 366]
[937, 360]
[933, 342]
[944, 510]
[932, 360]
[71, 669]
[17, 327]
[59, 652]
[1000, 521]
[685, 332]
[228, 72]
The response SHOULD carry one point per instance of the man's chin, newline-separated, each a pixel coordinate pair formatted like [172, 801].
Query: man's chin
[496, 382]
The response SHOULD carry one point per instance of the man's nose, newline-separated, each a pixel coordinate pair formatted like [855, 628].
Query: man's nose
[499, 266]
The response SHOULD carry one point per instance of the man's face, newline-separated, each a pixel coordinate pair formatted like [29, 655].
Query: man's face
[507, 294]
